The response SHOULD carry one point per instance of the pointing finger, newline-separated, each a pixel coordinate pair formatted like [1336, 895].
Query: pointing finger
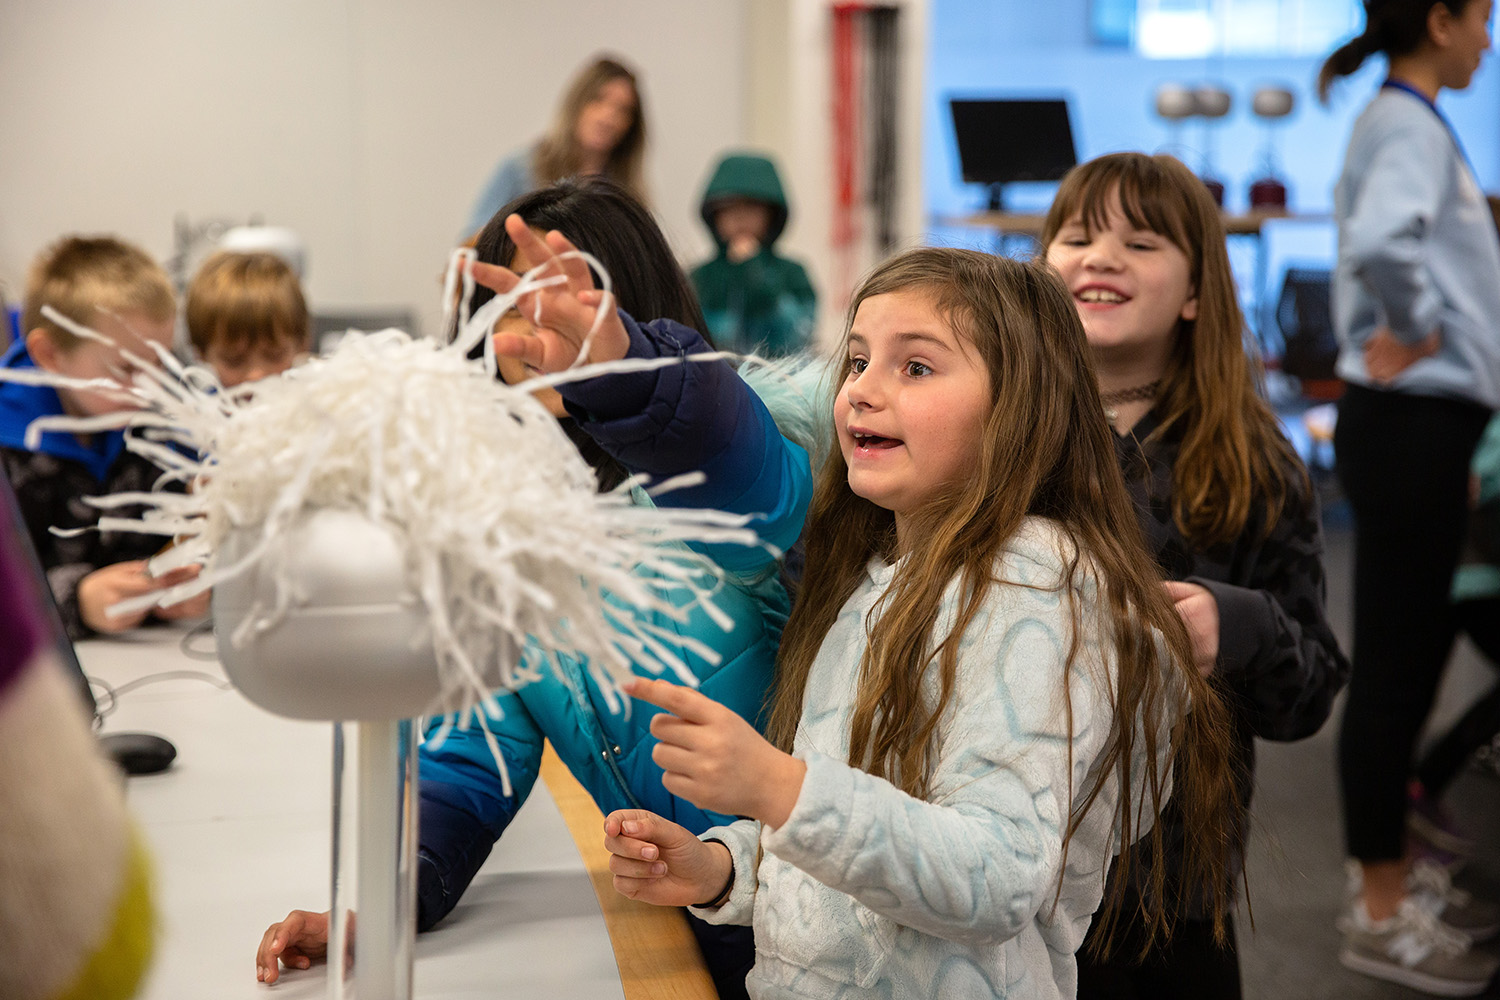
[683, 702]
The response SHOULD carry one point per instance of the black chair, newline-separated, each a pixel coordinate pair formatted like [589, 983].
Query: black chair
[1304, 315]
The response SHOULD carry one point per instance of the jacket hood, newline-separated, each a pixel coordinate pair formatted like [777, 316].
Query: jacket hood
[746, 175]
[21, 404]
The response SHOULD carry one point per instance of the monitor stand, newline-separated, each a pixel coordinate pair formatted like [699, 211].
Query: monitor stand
[997, 198]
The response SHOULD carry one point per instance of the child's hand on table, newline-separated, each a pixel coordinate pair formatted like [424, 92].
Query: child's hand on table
[715, 759]
[295, 941]
[109, 585]
[193, 607]
[562, 314]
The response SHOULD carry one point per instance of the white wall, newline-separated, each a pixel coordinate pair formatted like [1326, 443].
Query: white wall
[789, 113]
[366, 125]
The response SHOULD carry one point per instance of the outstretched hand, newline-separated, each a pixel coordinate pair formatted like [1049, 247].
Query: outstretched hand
[715, 759]
[561, 314]
[657, 861]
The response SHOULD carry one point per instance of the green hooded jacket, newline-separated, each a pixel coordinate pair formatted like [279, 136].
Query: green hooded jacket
[1478, 575]
[764, 304]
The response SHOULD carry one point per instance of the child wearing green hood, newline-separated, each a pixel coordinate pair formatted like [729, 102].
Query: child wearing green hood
[753, 299]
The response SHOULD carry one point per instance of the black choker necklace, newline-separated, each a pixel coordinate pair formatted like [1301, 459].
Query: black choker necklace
[1134, 394]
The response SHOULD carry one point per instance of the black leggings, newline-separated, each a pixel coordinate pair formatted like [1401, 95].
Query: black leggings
[1403, 461]
[1481, 620]
[729, 952]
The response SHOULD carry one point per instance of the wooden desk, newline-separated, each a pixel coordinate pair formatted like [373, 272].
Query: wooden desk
[656, 951]
[239, 830]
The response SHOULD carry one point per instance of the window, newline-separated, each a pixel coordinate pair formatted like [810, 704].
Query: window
[1186, 29]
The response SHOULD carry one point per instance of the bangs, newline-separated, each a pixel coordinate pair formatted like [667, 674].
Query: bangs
[1148, 195]
[965, 291]
[942, 286]
[240, 334]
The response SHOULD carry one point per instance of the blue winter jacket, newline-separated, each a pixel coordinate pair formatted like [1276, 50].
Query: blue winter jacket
[52, 482]
[697, 415]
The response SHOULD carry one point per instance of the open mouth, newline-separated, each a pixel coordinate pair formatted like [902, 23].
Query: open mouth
[874, 442]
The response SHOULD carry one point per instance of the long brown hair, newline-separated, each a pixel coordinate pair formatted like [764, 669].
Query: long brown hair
[557, 155]
[1393, 27]
[1046, 452]
[1233, 450]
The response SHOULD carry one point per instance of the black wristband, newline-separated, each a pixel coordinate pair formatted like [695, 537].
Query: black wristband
[723, 896]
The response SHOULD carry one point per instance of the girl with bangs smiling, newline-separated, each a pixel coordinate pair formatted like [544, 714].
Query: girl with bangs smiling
[979, 683]
[1225, 505]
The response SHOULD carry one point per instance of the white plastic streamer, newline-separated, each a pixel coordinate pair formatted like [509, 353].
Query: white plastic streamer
[507, 539]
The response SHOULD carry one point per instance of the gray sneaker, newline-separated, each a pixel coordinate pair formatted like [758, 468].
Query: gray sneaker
[1415, 949]
[1432, 886]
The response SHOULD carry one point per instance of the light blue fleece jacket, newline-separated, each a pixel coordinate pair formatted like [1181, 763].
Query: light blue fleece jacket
[1417, 253]
[511, 179]
[866, 891]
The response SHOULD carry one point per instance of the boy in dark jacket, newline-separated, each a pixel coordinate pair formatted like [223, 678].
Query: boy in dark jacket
[753, 299]
[120, 292]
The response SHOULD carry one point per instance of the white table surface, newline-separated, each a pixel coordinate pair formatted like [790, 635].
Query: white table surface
[239, 828]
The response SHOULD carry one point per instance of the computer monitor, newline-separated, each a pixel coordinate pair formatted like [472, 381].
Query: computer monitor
[1006, 141]
[136, 753]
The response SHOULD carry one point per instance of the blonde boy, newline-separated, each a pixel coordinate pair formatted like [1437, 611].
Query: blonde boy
[246, 316]
[119, 291]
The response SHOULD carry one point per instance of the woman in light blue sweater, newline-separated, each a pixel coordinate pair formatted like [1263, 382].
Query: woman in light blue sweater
[1416, 301]
[599, 128]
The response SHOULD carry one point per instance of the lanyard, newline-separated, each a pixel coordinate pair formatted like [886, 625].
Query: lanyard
[1391, 83]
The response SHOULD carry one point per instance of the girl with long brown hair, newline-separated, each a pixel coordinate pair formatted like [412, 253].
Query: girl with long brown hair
[980, 685]
[599, 128]
[1225, 506]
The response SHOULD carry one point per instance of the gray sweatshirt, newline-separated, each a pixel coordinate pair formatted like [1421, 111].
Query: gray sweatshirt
[1417, 252]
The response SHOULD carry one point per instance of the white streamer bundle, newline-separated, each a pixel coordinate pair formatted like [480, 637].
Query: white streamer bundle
[506, 538]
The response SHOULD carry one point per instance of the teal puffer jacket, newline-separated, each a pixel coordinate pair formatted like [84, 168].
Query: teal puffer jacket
[691, 416]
